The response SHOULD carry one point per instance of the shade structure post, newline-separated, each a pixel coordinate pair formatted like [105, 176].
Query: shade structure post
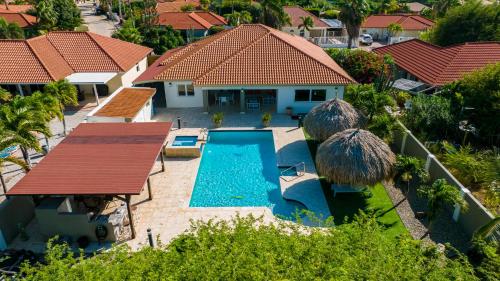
[162, 159]
[130, 217]
[94, 87]
[149, 190]
[242, 101]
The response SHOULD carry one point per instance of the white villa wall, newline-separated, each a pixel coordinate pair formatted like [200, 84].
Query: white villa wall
[176, 101]
[286, 97]
[125, 79]
[295, 31]
[146, 113]
[383, 33]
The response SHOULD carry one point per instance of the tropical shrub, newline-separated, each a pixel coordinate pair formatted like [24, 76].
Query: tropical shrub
[128, 32]
[471, 22]
[430, 117]
[408, 167]
[383, 126]
[161, 39]
[217, 119]
[361, 65]
[367, 99]
[10, 30]
[248, 249]
[266, 119]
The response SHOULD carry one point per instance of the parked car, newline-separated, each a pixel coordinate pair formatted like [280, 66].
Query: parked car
[366, 39]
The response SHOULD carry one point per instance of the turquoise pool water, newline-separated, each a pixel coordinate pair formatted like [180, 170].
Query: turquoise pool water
[239, 169]
[185, 141]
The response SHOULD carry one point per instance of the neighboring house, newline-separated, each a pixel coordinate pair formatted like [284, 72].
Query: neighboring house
[250, 67]
[191, 24]
[21, 19]
[98, 65]
[176, 5]
[436, 66]
[15, 8]
[416, 7]
[296, 13]
[412, 25]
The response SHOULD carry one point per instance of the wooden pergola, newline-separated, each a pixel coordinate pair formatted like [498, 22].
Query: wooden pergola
[99, 159]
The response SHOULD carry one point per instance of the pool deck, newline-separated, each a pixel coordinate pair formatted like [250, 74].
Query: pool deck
[169, 214]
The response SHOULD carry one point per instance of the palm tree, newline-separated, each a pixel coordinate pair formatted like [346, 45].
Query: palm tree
[5, 143]
[352, 14]
[439, 195]
[4, 95]
[394, 29]
[407, 167]
[23, 118]
[10, 30]
[65, 93]
[307, 23]
[273, 14]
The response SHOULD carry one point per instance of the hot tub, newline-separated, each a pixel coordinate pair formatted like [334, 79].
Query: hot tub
[185, 141]
[184, 147]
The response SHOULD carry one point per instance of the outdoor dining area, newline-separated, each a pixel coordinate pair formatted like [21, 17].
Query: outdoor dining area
[243, 100]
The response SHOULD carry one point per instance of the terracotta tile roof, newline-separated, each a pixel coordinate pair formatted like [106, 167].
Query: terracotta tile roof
[23, 20]
[407, 22]
[250, 54]
[296, 12]
[190, 20]
[98, 159]
[16, 8]
[416, 7]
[58, 54]
[175, 6]
[127, 103]
[438, 66]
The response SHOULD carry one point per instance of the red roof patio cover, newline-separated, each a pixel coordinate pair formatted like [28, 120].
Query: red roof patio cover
[98, 159]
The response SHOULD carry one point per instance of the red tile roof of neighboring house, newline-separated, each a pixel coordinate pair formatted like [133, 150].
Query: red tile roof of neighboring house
[98, 159]
[296, 12]
[407, 22]
[15, 8]
[21, 19]
[438, 66]
[58, 54]
[175, 6]
[127, 103]
[190, 20]
[250, 54]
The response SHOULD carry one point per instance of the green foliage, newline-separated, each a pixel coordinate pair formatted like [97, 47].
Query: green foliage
[352, 14]
[10, 30]
[68, 14]
[368, 100]
[4, 95]
[440, 7]
[330, 14]
[470, 22]
[162, 39]
[128, 32]
[237, 18]
[409, 167]
[215, 29]
[430, 116]
[65, 92]
[266, 119]
[361, 65]
[439, 195]
[473, 169]
[188, 8]
[383, 126]
[486, 259]
[217, 118]
[47, 17]
[479, 91]
[401, 97]
[272, 14]
[394, 29]
[248, 249]
[307, 23]
[386, 6]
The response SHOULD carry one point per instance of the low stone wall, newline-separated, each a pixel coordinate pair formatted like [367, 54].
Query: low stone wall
[476, 215]
[183, 151]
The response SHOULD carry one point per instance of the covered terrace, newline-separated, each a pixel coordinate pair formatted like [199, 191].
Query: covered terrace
[96, 164]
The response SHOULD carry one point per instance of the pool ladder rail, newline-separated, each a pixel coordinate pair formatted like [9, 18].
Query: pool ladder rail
[299, 167]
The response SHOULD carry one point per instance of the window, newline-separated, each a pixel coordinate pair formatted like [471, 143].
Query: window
[302, 32]
[302, 95]
[138, 68]
[310, 95]
[318, 95]
[185, 90]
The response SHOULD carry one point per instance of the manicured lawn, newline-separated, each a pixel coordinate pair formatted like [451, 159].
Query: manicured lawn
[377, 202]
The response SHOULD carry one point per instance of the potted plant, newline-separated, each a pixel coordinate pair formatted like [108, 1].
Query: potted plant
[266, 119]
[289, 110]
[217, 119]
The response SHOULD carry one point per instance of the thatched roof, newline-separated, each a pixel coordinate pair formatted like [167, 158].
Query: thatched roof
[331, 117]
[356, 157]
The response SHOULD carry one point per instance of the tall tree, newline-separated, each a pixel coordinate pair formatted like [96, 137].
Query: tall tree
[470, 22]
[46, 16]
[439, 195]
[65, 93]
[352, 14]
[307, 23]
[440, 7]
[24, 118]
[5, 142]
[68, 14]
[394, 29]
[128, 32]
[237, 18]
[10, 30]
[273, 14]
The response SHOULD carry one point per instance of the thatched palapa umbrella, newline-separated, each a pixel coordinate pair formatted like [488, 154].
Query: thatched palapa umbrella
[355, 157]
[331, 117]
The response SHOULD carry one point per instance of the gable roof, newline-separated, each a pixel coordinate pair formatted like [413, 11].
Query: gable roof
[21, 19]
[58, 54]
[438, 66]
[250, 54]
[296, 12]
[190, 20]
[175, 6]
[16, 8]
[407, 22]
[416, 7]
[127, 103]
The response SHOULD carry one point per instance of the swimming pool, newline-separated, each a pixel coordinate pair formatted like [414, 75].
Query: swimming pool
[239, 169]
[185, 141]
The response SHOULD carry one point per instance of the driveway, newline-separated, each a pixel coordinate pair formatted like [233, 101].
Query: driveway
[97, 23]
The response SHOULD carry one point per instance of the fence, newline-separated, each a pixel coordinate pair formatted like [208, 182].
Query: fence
[476, 214]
